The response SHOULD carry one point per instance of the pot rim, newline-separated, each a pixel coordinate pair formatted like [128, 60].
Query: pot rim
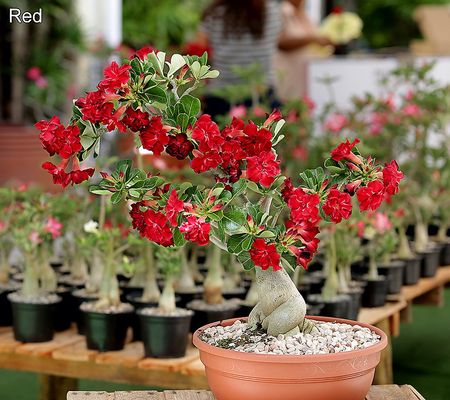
[291, 359]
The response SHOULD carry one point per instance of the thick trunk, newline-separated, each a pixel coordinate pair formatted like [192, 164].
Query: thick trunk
[78, 269]
[185, 280]
[252, 295]
[281, 308]
[214, 282]
[232, 277]
[442, 233]
[4, 268]
[343, 285]
[109, 289]
[373, 269]
[421, 237]
[167, 299]
[30, 285]
[96, 268]
[151, 289]
[404, 249]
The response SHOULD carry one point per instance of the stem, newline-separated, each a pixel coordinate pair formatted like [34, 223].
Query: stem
[109, 289]
[330, 289]
[404, 249]
[47, 275]
[102, 214]
[185, 280]
[442, 232]
[343, 284]
[373, 269]
[151, 289]
[167, 299]
[214, 282]
[421, 236]
[30, 285]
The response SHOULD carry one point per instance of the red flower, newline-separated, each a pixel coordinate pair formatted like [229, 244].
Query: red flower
[256, 141]
[196, 230]
[263, 168]
[336, 122]
[203, 162]
[154, 137]
[275, 116]
[60, 177]
[287, 190]
[115, 77]
[53, 226]
[207, 134]
[151, 225]
[371, 196]
[304, 206]
[173, 207]
[344, 151]
[144, 52]
[136, 120]
[338, 205]
[179, 146]
[304, 255]
[265, 255]
[77, 176]
[392, 177]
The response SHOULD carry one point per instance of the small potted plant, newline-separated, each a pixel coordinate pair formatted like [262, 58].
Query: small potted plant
[239, 213]
[34, 229]
[108, 319]
[165, 328]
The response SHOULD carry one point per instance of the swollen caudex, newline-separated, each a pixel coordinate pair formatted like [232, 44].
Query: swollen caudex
[281, 308]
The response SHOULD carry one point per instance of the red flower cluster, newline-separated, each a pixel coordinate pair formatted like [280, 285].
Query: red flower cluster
[344, 151]
[173, 207]
[57, 139]
[154, 136]
[196, 230]
[61, 177]
[338, 205]
[151, 225]
[228, 150]
[371, 196]
[265, 255]
[115, 77]
[179, 146]
[392, 177]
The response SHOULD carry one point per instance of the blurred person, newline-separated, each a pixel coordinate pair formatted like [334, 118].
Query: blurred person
[298, 40]
[239, 33]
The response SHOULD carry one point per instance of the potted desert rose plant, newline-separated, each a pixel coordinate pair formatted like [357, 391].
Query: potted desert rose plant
[240, 213]
[33, 229]
[165, 328]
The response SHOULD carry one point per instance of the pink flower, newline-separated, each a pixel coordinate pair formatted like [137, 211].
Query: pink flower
[336, 122]
[34, 73]
[54, 227]
[411, 110]
[35, 238]
[382, 223]
[41, 82]
[309, 102]
[258, 111]
[238, 111]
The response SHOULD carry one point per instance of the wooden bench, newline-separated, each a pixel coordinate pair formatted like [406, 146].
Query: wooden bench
[388, 392]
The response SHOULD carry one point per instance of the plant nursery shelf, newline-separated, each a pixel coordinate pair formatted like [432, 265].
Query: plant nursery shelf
[387, 392]
[66, 358]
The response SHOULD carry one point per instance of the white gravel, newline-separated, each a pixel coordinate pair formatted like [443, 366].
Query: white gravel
[330, 338]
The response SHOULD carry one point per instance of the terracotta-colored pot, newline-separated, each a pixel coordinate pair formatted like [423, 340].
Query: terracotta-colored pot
[236, 375]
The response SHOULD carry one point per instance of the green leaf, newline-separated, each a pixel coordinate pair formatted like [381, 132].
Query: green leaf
[241, 242]
[176, 62]
[267, 234]
[183, 121]
[178, 238]
[211, 74]
[233, 219]
[278, 126]
[195, 69]
[156, 94]
[95, 189]
[153, 59]
[191, 105]
[253, 186]
[246, 261]
[116, 197]
[217, 216]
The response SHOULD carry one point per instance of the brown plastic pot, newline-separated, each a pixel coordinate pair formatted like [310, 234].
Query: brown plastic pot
[236, 375]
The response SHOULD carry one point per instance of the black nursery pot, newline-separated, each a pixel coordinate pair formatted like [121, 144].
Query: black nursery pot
[375, 292]
[138, 304]
[33, 322]
[314, 309]
[164, 336]
[236, 293]
[106, 331]
[394, 275]
[5, 307]
[203, 317]
[411, 272]
[189, 295]
[337, 307]
[244, 309]
[64, 310]
[430, 262]
[355, 303]
[79, 317]
[445, 254]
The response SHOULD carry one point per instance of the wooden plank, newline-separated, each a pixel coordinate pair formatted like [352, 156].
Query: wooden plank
[128, 357]
[7, 343]
[188, 395]
[414, 391]
[75, 352]
[391, 392]
[90, 396]
[139, 395]
[426, 284]
[45, 349]
[195, 367]
[376, 314]
[169, 364]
